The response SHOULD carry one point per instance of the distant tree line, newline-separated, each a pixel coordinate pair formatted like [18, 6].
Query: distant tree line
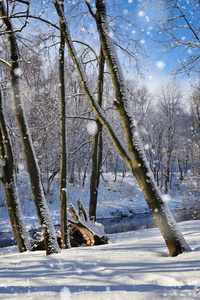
[168, 125]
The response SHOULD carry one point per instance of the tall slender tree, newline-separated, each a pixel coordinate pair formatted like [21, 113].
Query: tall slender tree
[97, 145]
[33, 168]
[9, 181]
[63, 159]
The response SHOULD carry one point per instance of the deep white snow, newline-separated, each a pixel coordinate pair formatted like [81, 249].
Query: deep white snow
[134, 265]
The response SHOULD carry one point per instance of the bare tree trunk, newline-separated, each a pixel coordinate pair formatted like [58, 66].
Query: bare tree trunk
[167, 170]
[137, 160]
[93, 179]
[50, 180]
[33, 168]
[115, 166]
[9, 182]
[180, 168]
[63, 160]
[100, 152]
[97, 147]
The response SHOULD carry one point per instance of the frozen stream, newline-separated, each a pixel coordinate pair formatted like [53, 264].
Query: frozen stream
[120, 224]
[144, 220]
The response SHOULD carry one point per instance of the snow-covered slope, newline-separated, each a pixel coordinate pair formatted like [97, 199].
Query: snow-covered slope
[133, 266]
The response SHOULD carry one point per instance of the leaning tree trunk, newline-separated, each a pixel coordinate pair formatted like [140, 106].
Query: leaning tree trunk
[33, 168]
[9, 181]
[97, 146]
[63, 158]
[137, 160]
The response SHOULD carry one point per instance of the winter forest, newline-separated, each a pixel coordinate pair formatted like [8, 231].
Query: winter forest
[99, 120]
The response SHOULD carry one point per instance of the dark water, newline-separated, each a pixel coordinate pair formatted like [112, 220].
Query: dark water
[114, 225]
[7, 239]
[144, 220]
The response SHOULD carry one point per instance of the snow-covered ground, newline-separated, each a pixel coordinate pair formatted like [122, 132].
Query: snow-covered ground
[134, 265]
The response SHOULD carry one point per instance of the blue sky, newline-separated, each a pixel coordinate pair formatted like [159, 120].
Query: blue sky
[159, 64]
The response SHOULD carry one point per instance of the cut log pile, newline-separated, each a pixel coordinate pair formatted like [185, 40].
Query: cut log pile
[81, 229]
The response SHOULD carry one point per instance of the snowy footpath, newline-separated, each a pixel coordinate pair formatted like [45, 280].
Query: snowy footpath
[134, 265]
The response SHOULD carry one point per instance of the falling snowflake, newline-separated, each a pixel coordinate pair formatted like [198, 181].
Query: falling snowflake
[110, 34]
[36, 144]
[167, 198]
[79, 271]
[65, 293]
[21, 167]
[141, 13]
[92, 128]
[17, 72]
[160, 64]
[125, 11]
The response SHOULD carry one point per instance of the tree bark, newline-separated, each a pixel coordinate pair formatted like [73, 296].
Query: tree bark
[33, 168]
[97, 146]
[63, 159]
[9, 182]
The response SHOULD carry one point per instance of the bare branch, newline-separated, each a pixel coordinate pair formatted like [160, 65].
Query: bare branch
[82, 118]
[90, 9]
[5, 63]
[188, 23]
[171, 19]
[40, 19]
[77, 149]
[82, 43]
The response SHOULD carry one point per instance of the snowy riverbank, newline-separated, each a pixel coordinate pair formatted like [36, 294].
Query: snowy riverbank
[115, 199]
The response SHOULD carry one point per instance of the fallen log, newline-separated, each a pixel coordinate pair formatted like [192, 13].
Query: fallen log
[92, 232]
[81, 230]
